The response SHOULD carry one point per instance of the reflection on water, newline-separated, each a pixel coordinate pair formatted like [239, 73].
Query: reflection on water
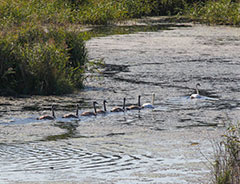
[41, 160]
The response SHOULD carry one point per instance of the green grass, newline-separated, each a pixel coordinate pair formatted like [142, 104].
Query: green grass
[227, 158]
[42, 47]
[13, 12]
[223, 12]
[36, 60]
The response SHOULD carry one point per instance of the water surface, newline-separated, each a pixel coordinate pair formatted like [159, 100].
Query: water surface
[170, 144]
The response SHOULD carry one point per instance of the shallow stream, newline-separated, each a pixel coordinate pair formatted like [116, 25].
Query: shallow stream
[172, 143]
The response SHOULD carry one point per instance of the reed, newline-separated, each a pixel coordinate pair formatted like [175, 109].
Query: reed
[38, 53]
[42, 50]
[38, 60]
[13, 12]
[226, 167]
[215, 12]
[62, 12]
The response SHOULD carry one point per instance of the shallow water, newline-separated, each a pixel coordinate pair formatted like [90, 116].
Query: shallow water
[172, 143]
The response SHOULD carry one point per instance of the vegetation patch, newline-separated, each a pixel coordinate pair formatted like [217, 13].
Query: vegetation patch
[227, 157]
[42, 48]
[36, 60]
[215, 12]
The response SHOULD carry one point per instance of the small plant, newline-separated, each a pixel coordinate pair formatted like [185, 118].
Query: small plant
[227, 158]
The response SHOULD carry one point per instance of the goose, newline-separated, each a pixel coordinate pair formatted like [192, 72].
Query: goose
[135, 107]
[149, 105]
[197, 95]
[70, 115]
[104, 108]
[119, 109]
[89, 113]
[48, 117]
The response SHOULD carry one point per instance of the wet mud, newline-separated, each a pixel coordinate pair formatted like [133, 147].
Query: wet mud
[172, 143]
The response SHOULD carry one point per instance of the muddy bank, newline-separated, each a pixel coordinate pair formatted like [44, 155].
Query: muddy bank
[170, 144]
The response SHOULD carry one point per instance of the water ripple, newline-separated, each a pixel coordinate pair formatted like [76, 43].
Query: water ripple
[22, 158]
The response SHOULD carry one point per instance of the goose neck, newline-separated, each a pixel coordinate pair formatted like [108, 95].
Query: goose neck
[124, 103]
[104, 106]
[77, 111]
[139, 103]
[53, 113]
[94, 107]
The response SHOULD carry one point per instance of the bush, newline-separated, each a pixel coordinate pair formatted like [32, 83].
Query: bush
[38, 61]
[13, 12]
[216, 12]
[38, 55]
[101, 12]
[105, 11]
[227, 158]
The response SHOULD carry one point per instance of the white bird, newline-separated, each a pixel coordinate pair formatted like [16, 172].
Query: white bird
[70, 115]
[149, 105]
[197, 95]
[48, 117]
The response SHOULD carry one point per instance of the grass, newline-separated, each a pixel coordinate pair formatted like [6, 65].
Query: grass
[13, 12]
[36, 60]
[227, 158]
[223, 12]
[42, 47]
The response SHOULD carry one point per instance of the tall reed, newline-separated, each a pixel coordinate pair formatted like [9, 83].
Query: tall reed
[215, 12]
[36, 60]
[227, 158]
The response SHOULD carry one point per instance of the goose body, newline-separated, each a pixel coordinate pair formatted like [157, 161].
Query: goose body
[70, 115]
[119, 109]
[197, 95]
[104, 108]
[135, 107]
[48, 117]
[90, 113]
[149, 105]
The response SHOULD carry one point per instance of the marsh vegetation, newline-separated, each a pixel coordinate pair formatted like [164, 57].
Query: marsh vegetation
[42, 48]
[41, 61]
[224, 12]
[227, 155]
[156, 146]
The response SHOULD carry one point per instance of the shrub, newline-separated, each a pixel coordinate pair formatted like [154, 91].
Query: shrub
[101, 12]
[227, 158]
[18, 12]
[216, 12]
[38, 61]
[104, 11]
